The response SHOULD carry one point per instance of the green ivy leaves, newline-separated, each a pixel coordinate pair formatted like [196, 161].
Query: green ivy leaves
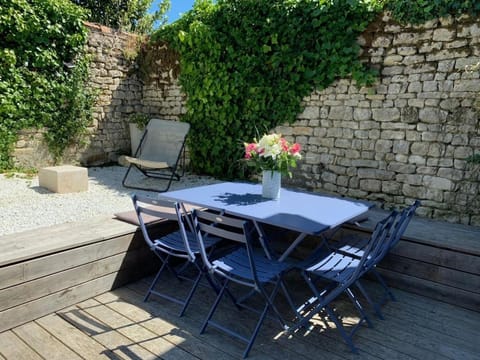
[419, 11]
[36, 89]
[247, 64]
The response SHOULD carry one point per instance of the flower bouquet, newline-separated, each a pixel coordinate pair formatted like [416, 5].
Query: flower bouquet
[274, 153]
[275, 156]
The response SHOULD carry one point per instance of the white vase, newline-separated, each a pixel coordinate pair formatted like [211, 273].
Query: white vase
[271, 184]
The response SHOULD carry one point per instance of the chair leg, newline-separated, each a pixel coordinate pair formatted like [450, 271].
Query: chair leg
[373, 304]
[214, 306]
[155, 280]
[288, 297]
[383, 284]
[190, 294]
[256, 330]
[347, 337]
[359, 307]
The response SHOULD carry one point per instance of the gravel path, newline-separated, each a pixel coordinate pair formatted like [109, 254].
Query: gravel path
[24, 205]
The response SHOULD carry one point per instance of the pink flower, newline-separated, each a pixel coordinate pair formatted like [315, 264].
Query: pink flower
[295, 148]
[284, 144]
[250, 149]
[272, 152]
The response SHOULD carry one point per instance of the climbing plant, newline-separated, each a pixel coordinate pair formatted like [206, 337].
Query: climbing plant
[43, 73]
[246, 65]
[416, 12]
[128, 15]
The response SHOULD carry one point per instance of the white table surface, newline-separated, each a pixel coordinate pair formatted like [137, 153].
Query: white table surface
[304, 212]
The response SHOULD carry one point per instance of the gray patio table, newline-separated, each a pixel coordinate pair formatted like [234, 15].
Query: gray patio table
[305, 213]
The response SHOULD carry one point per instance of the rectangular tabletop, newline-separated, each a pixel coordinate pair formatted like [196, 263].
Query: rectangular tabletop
[304, 212]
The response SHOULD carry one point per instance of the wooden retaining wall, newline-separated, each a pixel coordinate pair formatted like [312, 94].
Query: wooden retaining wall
[45, 270]
[434, 259]
[48, 269]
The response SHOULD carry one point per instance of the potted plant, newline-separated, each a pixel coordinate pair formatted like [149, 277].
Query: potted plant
[137, 125]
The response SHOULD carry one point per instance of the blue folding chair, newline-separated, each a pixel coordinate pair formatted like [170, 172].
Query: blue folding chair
[355, 246]
[244, 265]
[180, 244]
[341, 273]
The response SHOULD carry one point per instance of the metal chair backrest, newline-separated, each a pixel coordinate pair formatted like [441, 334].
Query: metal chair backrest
[163, 209]
[378, 243]
[234, 229]
[401, 225]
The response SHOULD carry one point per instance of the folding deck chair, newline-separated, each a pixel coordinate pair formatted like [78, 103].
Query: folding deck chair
[340, 273]
[355, 246]
[160, 154]
[181, 244]
[244, 266]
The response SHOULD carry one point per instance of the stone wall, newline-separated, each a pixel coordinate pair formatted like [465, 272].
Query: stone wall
[408, 136]
[120, 93]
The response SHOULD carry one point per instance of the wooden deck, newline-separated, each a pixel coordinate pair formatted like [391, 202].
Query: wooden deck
[119, 325]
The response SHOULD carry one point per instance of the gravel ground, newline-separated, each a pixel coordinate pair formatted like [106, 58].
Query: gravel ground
[24, 205]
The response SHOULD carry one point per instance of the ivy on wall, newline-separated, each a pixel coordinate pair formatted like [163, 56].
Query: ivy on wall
[419, 11]
[246, 65]
[43, 73]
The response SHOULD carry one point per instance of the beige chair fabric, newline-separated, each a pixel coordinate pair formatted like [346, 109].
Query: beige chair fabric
[159, 153]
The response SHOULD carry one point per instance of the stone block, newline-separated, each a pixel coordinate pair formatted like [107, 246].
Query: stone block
[64, 179]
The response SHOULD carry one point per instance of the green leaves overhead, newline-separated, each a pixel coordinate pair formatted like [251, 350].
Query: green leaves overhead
[247, 65]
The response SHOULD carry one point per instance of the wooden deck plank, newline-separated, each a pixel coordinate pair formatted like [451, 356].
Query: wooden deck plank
[32, 290]
[371, 342]
[12, 347]
[44, 343]
[189, 333]
[48, 304]
[415, 337]
[434, 232]
[137, 333]
[42, 266]
[121, 346]
[415, 328]
[445, 320]
[453, 260]
[74, 338]
[441, 275]
[428, 288]
[217, 340]
[44, 241]
[273, 340]
[170, 331]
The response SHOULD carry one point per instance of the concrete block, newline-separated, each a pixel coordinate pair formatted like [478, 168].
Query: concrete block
[64, 179]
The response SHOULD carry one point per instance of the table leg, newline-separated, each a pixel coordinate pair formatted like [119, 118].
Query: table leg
[292, 246]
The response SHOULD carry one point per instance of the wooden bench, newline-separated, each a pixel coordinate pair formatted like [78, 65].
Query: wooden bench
[47, 269]
[436, 259]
